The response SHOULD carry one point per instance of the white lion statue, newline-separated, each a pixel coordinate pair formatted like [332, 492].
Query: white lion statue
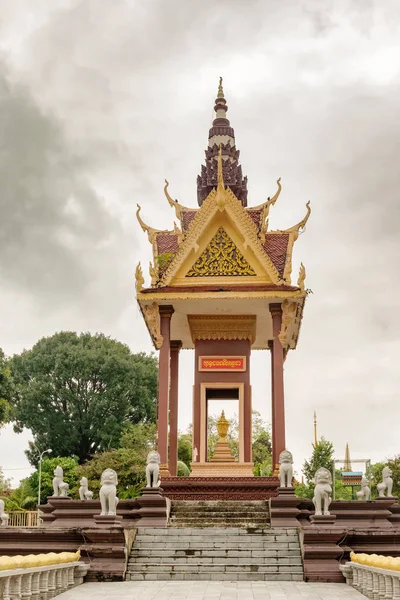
[3, 515]
[286, 468]
[322, 491]
[153, 469]
[108, 492]
[387, 483]
[60, 487]
[365, 492]
[84, 492]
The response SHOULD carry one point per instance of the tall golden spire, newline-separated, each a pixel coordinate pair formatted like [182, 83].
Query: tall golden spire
[347, 462]
[315, 429]
[220, 89]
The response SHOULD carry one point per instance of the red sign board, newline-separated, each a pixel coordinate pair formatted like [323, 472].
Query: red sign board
[222, 363]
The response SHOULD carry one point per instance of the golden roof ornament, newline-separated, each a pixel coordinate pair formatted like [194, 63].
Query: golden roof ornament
[296, 228]
[220, 89]
[302, 277]
[139, 278]
[173, 203]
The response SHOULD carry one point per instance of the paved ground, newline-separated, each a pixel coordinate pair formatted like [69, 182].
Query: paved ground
[212, 590]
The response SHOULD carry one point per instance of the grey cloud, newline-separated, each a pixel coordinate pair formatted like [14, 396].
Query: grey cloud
[53, 221]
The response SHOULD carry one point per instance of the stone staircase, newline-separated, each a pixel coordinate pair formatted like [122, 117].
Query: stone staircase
[252, 514]
[230, 553]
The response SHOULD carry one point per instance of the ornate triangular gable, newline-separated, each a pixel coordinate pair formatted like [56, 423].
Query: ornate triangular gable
[221, 209]
[221, 258]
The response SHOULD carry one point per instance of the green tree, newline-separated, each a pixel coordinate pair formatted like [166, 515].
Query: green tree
[322, 456]
[185, 448]
[129, 461]
[76, 392]
[22, 498]
[71, 476]
[5, 389]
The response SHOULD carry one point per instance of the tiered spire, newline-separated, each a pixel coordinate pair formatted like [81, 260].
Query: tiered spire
[221, 134]
[347, 462]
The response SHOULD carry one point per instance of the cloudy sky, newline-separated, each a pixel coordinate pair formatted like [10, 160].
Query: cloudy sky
[100, 101]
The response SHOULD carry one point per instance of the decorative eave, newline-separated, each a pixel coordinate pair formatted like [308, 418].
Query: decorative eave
[222, 327]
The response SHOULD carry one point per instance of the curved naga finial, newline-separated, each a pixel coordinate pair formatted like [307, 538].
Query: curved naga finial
[174, 203]
[296, 228]
[302, 277]
[139, 278]
[265, 206]
[151, 233]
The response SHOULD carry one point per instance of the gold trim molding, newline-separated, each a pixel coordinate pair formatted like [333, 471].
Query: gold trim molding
[222, 327]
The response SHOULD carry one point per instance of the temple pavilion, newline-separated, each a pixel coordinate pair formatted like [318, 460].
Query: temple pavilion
[221, 285]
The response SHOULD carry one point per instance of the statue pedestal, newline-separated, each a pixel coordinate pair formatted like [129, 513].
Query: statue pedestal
[153, 508]
[284, 508]
[107, 520]
[322, 519]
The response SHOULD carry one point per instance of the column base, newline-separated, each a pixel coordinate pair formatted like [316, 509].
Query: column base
[222, 469]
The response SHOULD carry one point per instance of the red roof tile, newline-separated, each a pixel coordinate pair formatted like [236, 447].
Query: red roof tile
[167, 242]
[255, 216]
[275, 246]
[187, 217]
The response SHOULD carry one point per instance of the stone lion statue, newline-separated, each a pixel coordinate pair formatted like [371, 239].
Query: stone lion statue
[84, 492]
[3, 515]
[60, 487]
[286, 468]
[108, 492]
[365, 492]
[322, 491]
[387, 483]
[153, 469]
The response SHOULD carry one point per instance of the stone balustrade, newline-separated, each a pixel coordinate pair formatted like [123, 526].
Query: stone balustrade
[39, 577]
[377, 577]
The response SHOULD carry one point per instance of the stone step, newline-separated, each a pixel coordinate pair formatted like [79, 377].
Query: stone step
[281, 550]
[221, 568]
[219, 509]
[211, 524]
[231, 557]
[218, 576]
[215, 532]
[182, 551]
[194, 514]
[217, 519]
[177, 539]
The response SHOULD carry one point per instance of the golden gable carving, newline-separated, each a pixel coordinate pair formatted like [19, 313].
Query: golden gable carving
[220, 258]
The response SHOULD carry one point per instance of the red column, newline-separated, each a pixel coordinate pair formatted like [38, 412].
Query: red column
[166, 313]
[175, 346]
[278, 401]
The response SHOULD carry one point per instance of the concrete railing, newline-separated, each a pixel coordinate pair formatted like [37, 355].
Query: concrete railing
[376, 582]
[53, 574]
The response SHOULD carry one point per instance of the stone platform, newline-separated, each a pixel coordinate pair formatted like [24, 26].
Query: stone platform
[220, 488]
[212, 590]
